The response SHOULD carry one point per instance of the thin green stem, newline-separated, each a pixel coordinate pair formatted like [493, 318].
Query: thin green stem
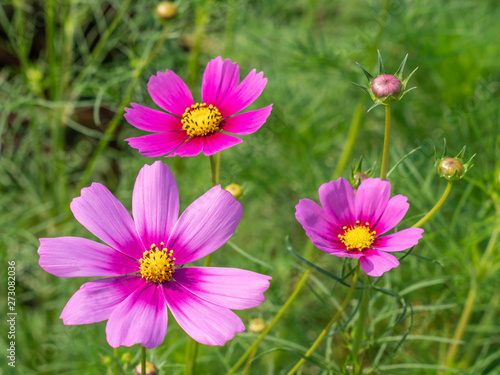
[146, 58]
[143, 360]
[435, 208]
[360, 326]
[213, 169]
[329, 325]
[387, 141]
[277, 317]
[191, 354]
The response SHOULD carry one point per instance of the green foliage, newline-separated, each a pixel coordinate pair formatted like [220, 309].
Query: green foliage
[66, 68]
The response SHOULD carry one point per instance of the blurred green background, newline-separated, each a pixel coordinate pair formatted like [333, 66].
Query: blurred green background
[69, 67]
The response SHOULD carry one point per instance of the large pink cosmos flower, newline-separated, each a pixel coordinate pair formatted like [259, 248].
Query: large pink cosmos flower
[189, 128]
[351, 223]
[146, 256]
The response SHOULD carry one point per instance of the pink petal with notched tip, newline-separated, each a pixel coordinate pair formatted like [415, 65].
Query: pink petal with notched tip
[141, 318]
[151, 120]
[247, 122]
[399, 241]
[102, 214]
[218, 141]
[375, 262]
[205, 225]
[227, 287]
[394, 212]
[372, 197]
[96, 300]
[155, 203]
[75, 257]
[159, 144]
[219, 79]
[205, 322]
[170, 92]
[337, 199]
[190, 148]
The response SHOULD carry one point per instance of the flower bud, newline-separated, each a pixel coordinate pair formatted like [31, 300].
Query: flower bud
[358, 175]
[257, 325]
[234, 189]
[386, 88]
[106, 360]
[150, 369]
[166, 10]
[450, 168]
[127, 357]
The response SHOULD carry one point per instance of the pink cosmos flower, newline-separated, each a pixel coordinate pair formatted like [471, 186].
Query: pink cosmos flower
[351, 223]
[188, 128]
[146, 256]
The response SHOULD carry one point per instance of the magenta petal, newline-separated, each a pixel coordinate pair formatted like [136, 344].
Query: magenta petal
[227, 287]
[245, 94]
[205, 225]
[158, 144]
[96, 300]
[394, 212]
[205, 322]
[155, 203]
[219, 79]
[74, 256]
[170, 92]
[399, 241]
[375, 263]
[140, 319]
[322, 232]
[337, 198]
[372, 197]
[247, 122]
[190, 148]
[102, 214]
[218, 142]
[151, 120]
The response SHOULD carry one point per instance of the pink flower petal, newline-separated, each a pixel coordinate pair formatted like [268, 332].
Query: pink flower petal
[205, 225]
[155, 203]
[219, 79]
[375, 262]
[322, 232]
[337, 198]
[96, 300]
[399, 241]
[218, 142]
[148, 119]
[190, 148]
[74, 256]
[247, 122]
[394, 212]
[140, 319]
[170, 92]
[227, 287]
[372, 197]
[102, 214]
[245, 94]
[205, 322]
[158, 144]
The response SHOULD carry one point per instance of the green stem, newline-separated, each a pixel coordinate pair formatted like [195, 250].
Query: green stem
[143, 360]
[191, 354]
[277, 317]
[146, 58]
[360, 326]
[329, 325]
[387, 141]
[435, 208]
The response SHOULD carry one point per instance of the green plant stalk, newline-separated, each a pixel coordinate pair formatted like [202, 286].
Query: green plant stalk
[330, 323]
[360, 326]
[146, 58]
[277, 317]
[387, 141]
[435, 208]
[191, 354]
[249, 362]
[143, 360]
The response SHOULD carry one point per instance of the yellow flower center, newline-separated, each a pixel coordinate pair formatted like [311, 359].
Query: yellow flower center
[358, 237]
[200, 120]
[157, 265]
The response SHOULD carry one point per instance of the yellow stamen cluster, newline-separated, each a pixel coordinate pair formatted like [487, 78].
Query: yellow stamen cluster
[157, 265]
[200, 120]
[357, 237]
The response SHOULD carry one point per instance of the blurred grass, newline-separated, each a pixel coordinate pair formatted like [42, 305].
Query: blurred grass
[60, 88]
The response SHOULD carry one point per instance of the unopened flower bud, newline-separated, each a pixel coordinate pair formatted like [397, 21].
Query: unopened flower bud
[234, 189]
[127, 358]
[166, 10]
[450, 167]
[150, 369]
[358, 175]
[257, 325]
[385, 85]
[106, 360]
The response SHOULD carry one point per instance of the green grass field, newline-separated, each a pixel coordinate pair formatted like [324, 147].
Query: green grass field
[68, 68]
